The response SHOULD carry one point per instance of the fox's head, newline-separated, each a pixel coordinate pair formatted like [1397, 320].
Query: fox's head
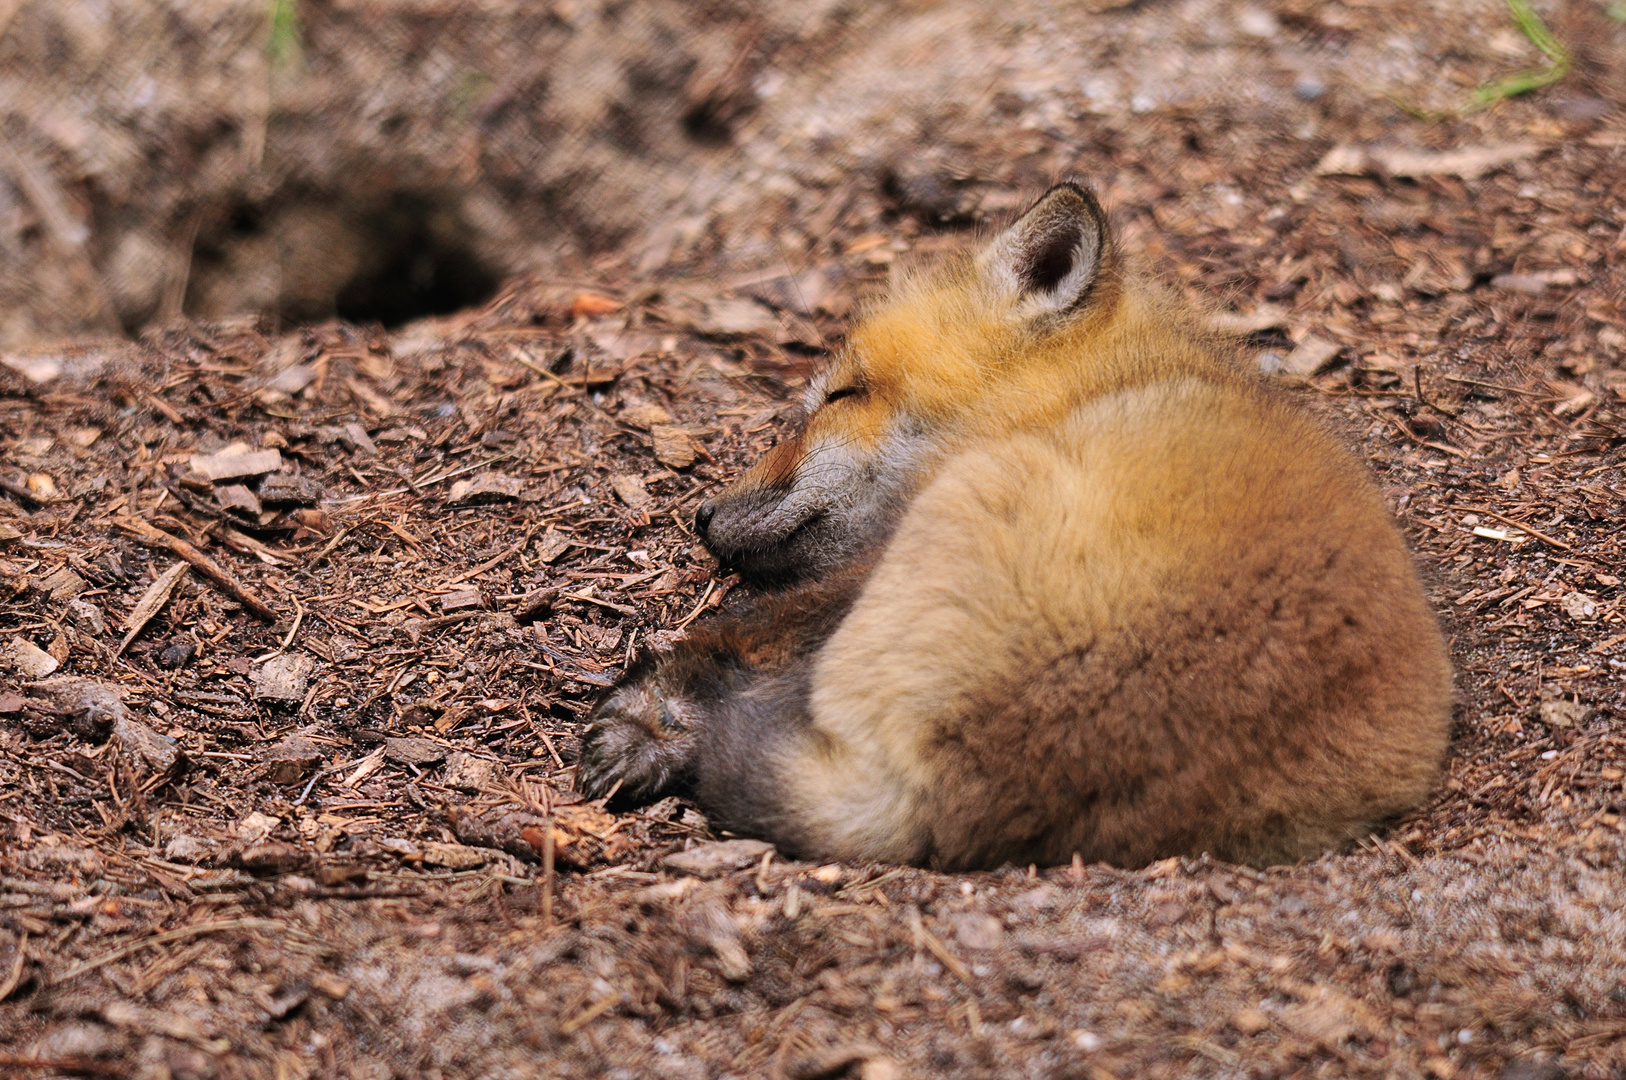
[983, 338]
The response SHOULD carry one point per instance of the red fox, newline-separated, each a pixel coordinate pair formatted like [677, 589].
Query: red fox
[1072, 582]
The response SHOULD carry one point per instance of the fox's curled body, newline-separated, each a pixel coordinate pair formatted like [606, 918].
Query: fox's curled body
[1073, 582]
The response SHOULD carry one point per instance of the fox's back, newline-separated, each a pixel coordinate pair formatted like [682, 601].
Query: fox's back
[1082, 585]
[1176, 606]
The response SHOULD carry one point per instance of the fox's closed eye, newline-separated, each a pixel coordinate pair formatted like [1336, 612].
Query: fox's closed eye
[843, 392]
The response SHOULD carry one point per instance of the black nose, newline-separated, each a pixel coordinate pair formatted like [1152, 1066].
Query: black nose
[702, 518]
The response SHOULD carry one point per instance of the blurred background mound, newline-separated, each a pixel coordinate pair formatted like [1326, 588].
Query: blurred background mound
[386, 159]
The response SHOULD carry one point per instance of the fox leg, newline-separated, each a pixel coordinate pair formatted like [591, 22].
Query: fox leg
[652, 731]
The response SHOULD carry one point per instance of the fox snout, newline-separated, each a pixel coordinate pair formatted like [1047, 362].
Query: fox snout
[702, 521]
[760, 532]
[779, 526]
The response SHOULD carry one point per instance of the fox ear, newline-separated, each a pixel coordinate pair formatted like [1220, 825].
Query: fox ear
[1048, 258]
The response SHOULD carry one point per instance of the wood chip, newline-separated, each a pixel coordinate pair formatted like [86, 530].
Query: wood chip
[1329, 1017]
[151, 602]
[282, 678]
[717, 858]
[1310, 356]
[1559, 713]
[737, 317]
[466, 772]
[287, 489]
[42, 487]
[357, 437]
[586, 305]
[291, 380]
[292, 759]
[710, 926]
[979, 932]
[673, 446]
[1468, 164]
[1249, 1021]
[536, 605]
[454, 856]
[36, 369]
[330, 986]
[30, 660]
[641, 414]
[236, 497]
[147, 750]
[485, 489]
[630, 490]
[156, 537]
[1264, 317]
[231, 464]
[87, 617]
[552, 545]
[63, 584]
[412, 751]
[460, 600]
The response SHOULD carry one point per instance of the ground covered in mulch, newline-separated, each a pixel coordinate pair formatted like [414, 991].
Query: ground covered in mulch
[300, 629]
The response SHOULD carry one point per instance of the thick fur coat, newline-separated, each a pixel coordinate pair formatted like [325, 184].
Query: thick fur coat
[1071, 581]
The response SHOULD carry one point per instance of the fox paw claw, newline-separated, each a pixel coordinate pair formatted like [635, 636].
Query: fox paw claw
[639, 747]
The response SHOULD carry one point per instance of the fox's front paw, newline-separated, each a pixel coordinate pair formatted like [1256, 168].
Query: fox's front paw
[641, 745]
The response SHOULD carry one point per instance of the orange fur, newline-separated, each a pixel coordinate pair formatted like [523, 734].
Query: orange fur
[1115, 597]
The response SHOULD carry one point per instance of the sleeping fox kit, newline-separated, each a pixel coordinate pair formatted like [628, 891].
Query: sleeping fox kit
[1054, 575]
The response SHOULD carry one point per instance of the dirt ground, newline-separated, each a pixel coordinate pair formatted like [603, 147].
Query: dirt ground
[297, 802]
